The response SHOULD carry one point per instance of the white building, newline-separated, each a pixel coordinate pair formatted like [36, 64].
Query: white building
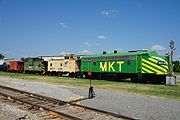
[8, 60]
[1, 61]
[46, 58]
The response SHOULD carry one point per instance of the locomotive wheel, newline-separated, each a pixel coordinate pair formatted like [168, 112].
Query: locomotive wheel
[60, 74]
[134, 80]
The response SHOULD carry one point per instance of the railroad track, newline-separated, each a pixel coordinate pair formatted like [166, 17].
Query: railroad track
[59, 109]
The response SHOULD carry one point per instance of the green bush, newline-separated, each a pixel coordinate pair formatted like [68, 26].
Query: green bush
[1, 56]
[176, 66]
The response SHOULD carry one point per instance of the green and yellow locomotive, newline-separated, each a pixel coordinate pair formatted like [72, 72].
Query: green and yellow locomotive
[138, 65]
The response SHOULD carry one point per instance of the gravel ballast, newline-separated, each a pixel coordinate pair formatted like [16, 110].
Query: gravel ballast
[54, 91]
[10, 112]
[139, 106]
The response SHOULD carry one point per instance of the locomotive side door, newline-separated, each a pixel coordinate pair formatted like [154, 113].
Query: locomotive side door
[90, 67]
[139, 66]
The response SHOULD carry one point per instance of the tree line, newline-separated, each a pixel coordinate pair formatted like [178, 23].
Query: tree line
[1, 56]
[176, 66]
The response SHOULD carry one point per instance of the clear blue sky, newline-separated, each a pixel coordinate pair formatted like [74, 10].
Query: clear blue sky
[52, 27]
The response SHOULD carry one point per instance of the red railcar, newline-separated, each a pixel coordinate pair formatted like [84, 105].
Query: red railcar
[16, 66]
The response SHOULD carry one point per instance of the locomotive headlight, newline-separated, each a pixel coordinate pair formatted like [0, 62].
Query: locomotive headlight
[161, 63]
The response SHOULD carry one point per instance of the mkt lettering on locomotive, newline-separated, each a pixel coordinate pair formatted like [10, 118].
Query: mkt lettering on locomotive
[137, 65]
[109, 66]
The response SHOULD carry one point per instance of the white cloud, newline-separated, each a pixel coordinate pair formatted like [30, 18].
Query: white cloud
[87, 44]
[158, 48]
[119, 50]
[177, 57]
[97, 44]
[64, 53]
[84, 52]
[109, 13]
[8, 54]
[62, 24]
[102, 37]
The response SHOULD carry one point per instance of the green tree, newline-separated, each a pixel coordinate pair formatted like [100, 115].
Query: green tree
[1, 56]
[22, 59]
[176, 66]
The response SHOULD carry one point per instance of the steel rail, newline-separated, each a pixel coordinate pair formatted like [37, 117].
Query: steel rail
[40, 106]
[61, 102]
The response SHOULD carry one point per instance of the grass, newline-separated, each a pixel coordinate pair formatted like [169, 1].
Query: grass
[177, 73]
[170, 92]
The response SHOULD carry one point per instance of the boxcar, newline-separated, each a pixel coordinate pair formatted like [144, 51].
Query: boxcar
[16, 66]
[137, 65]
[35, 65]
[69, 64]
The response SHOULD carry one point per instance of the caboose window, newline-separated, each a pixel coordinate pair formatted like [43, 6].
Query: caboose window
[66, 57]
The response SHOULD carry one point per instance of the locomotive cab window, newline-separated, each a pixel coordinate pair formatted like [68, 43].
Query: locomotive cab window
[94, 63]
[51, 64]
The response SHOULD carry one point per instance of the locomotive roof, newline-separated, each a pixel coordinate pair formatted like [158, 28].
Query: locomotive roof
[120, 54]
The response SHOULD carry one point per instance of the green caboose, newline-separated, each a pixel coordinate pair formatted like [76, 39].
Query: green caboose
[35, 65]
[137, 65]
